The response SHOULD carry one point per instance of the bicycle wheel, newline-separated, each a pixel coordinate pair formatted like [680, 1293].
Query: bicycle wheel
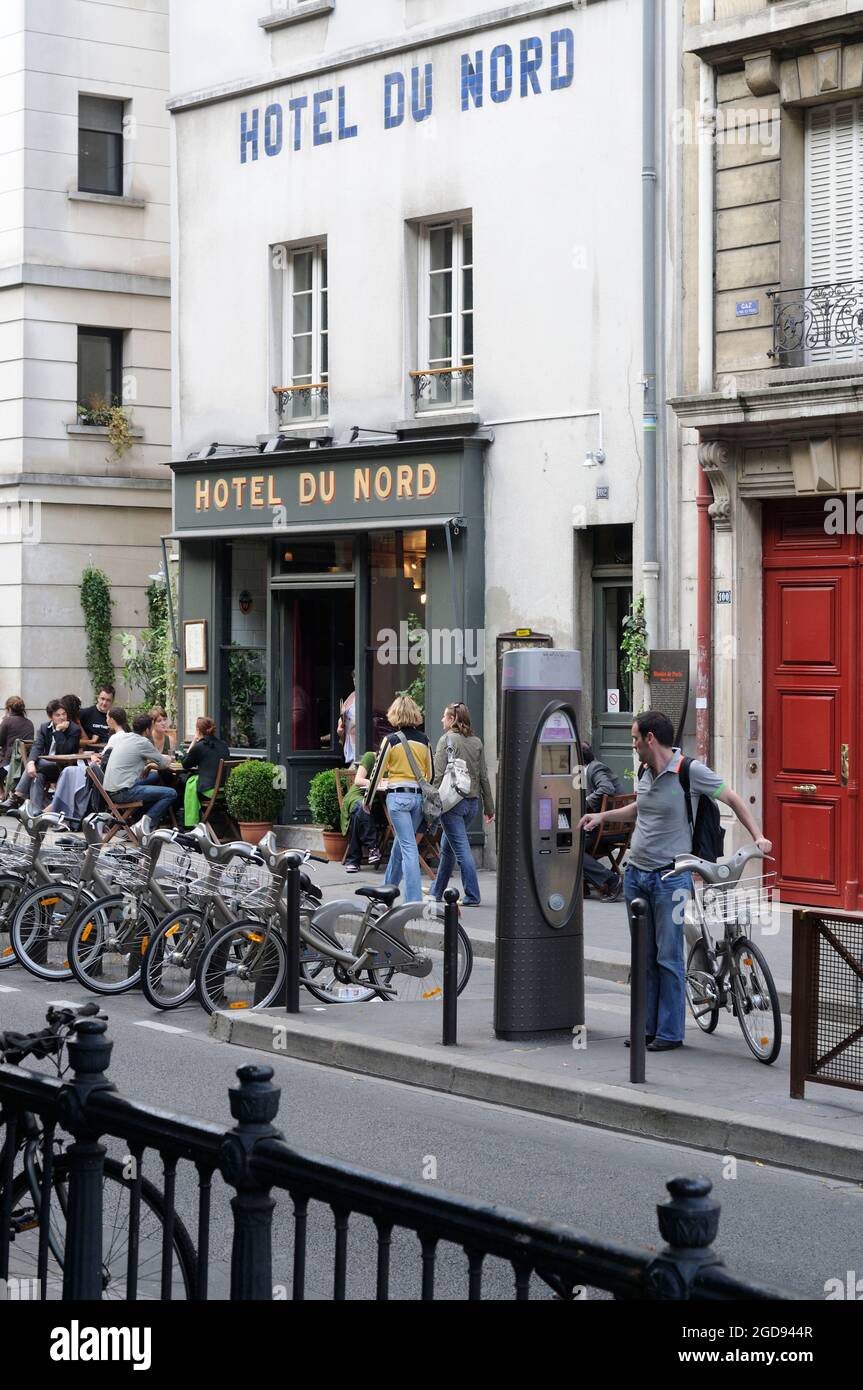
[241, 967]
[168, 976]
[323, 977]
[10, 891]
[756, 1001]
[40, 929]
[420, 925]
[701, 989]
[107, 941]
[116, 1197]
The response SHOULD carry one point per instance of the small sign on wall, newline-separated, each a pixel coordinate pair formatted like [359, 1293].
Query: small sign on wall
[612, 705]
[746, 308]
[723, 595]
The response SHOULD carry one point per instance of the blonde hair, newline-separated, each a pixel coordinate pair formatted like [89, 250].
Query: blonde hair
[404, 713]
[157, 713]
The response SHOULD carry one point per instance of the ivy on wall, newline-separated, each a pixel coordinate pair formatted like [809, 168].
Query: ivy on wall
[635, 659]
[96, 603]
[149, 660]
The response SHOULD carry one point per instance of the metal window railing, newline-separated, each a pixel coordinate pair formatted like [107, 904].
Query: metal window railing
[817, 323]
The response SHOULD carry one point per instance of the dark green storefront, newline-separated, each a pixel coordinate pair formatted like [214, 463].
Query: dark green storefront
[298, 560]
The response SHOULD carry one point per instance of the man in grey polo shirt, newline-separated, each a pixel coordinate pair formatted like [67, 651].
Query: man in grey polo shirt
[662, 833]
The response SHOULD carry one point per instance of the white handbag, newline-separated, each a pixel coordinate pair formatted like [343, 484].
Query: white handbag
[455, 783]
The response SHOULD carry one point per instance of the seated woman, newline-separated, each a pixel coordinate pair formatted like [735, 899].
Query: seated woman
[14, 725]
[202, 761]
[161, 736]
[358, 823]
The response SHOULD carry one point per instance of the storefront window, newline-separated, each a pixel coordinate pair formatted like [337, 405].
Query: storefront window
[244, 647]
[322, 555]
[397, 572]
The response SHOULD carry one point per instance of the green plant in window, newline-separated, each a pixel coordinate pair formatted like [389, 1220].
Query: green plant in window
[247, 685]
[417, 688]
[96, 602]
[97, 411]
[634, 651]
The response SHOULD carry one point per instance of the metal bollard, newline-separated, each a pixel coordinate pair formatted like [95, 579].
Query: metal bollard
[638, 990]
[450, 967]
[689, 1224]
[292, 979]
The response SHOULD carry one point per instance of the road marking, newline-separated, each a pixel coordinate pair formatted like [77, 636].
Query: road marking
[160, 1027]
[9, 989]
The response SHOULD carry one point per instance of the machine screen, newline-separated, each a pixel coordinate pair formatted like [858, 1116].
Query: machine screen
[555, 760]
[545, 813]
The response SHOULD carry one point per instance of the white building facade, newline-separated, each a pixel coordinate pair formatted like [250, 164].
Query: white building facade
[420, 221]
[84, 324]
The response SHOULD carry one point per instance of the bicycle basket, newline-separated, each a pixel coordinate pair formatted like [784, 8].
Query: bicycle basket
[750, 902]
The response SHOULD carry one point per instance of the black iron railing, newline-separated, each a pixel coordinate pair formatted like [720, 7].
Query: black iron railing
[816, 321]
[253, 1159]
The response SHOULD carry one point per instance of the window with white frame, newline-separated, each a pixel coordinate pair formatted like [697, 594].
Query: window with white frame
[828, 316]
[445, 373]
[304, 394]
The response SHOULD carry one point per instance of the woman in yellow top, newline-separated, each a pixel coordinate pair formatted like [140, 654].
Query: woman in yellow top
[394, 774]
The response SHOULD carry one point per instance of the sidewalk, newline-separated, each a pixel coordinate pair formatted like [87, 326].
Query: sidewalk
[711, 1094]
[606, 929]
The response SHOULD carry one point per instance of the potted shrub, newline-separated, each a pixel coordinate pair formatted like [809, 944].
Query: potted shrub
[324, 806]
[254, 798]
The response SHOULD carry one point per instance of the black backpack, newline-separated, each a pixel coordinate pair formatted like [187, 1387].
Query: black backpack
[708, 837]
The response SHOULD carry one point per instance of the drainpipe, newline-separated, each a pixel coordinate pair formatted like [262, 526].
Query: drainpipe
[650, 560]
[704, 495]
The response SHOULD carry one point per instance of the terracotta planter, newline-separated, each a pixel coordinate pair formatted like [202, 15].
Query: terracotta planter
[335, 844]
[253, 831]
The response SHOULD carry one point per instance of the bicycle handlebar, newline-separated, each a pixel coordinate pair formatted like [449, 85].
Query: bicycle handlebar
[725, 870]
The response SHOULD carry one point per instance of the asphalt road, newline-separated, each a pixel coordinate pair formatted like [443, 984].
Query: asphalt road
[788, 1229]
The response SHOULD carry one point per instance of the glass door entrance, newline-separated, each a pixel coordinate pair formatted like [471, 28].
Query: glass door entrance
[318, 636]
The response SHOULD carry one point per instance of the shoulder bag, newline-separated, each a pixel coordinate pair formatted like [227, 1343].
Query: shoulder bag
[455, 783]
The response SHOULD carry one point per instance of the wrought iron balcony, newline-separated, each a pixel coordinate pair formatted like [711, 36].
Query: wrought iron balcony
[818, 323]
[302, 403]
[437, 387]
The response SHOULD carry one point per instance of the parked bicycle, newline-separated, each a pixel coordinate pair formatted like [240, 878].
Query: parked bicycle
[349, 953]
[236, 882]
[64, 875]
[35, 1199]
[732, 973]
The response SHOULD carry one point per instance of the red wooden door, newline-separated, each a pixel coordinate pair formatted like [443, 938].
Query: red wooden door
[811, 582]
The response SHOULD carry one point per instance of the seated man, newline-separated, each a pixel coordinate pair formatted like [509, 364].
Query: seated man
[357, 822]
[124, 775]
[94, 719]
[599, 781]
[57, 735]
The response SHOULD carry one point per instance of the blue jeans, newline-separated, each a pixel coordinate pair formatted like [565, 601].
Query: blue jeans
[405, 810]
[455, 845]
[666, 967]
[156, 799]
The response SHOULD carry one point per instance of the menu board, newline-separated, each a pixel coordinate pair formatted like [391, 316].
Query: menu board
[669, 686]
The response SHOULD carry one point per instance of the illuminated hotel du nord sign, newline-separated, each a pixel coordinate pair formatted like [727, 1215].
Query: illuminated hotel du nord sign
[354, 490]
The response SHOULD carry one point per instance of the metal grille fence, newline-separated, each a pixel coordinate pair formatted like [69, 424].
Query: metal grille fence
[827, 1000]
[253, 1158]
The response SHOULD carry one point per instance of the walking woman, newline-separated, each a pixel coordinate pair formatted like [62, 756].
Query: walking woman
[459, 735]
[403, 754]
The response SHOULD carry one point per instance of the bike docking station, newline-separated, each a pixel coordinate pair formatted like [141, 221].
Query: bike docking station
[539, 927]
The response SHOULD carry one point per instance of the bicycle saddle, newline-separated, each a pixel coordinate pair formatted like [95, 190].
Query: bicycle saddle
[311, 889]
[387, 894]
[725, 870]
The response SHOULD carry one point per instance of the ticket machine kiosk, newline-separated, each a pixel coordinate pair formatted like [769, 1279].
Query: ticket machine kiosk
[539, 961]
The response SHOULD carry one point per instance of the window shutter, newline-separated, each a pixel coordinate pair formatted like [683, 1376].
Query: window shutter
[834, 207]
